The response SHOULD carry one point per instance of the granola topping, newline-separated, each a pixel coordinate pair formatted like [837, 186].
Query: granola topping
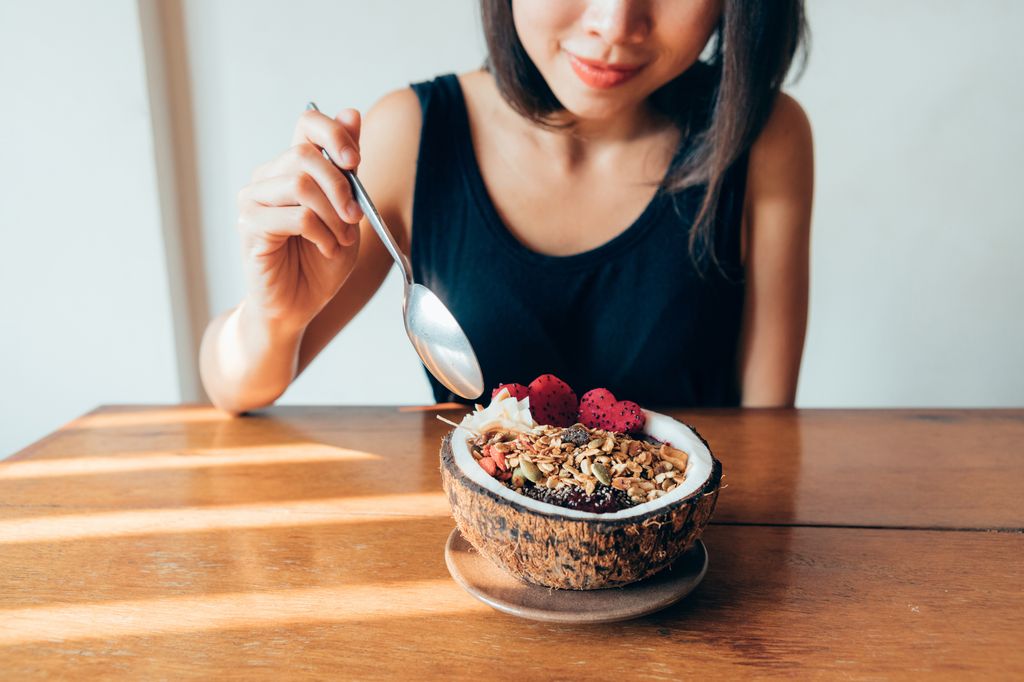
[579, 467]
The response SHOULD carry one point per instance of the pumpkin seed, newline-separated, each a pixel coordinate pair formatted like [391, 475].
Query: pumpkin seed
[518, 478]
[531, 471]
[601, 472]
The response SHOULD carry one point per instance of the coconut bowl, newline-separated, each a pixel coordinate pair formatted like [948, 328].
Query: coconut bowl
[548, 545]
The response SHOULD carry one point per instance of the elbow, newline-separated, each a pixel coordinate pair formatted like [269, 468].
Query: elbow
[228, 396]
[229, 407]
[767, 404]
[238, 402]
[779, 399]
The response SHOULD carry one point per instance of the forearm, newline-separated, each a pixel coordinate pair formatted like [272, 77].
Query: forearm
[771, 381]
[247, 362]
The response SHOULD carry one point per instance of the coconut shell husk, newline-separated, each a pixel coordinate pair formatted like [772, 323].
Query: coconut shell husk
[568, 553]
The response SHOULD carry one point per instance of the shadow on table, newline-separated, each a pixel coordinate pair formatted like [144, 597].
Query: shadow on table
[301, 455]
[749, 569]
[208, 563]
[762, 454]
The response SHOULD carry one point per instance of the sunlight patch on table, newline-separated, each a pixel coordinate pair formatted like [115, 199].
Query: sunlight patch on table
[139, 618]
[358, 509]
[107, 419]
[199, 458]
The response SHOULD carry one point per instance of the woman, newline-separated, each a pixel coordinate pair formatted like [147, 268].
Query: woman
[598, 203]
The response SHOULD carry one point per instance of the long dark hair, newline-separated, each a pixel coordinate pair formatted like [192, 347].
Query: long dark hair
[720, 108]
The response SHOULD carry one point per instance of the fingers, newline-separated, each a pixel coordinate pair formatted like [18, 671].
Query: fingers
[299, 190]
[291, 221]
[305, 158]
[331, 135]
[353, 122]
[312, 188]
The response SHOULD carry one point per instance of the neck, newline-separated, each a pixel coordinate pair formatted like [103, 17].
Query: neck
[577, 140]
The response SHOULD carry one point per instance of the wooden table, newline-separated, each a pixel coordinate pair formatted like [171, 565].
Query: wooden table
[161, 542]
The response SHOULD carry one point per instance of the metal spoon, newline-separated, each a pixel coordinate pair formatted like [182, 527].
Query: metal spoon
[432, 329]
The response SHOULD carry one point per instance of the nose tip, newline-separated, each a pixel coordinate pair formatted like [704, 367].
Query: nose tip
[618, 22]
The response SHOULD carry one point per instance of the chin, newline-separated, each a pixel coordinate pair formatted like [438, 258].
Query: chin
[586, 103]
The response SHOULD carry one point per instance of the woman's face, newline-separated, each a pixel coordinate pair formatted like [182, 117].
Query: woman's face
[604, 57]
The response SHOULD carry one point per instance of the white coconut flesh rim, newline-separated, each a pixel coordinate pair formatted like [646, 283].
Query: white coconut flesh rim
[660, 426]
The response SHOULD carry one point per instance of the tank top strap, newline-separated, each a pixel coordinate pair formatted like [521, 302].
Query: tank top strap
[444, 113]
[440, 191]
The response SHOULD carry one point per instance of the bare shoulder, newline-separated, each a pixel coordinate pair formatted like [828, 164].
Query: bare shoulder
[388, 146]
[399, 108]
[480, 93]
[476, 81]
[782, 156]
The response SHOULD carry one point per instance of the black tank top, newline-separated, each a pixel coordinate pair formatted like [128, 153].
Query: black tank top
[635, 315]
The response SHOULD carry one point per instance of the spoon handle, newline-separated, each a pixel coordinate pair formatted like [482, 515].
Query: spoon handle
[372, 214]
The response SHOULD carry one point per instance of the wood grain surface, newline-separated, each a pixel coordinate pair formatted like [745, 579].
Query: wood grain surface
[896, 468]
[169, 542]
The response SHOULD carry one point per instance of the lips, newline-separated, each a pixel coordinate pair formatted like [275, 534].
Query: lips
[602, 75]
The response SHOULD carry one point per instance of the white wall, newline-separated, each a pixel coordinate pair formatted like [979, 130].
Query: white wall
[917, 293]
[84, 306]
[916, 105]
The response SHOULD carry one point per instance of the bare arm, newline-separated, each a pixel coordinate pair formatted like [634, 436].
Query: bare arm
[303, 288]
[780, 188]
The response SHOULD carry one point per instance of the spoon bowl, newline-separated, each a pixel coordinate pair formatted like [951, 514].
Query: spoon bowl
[440, 342]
